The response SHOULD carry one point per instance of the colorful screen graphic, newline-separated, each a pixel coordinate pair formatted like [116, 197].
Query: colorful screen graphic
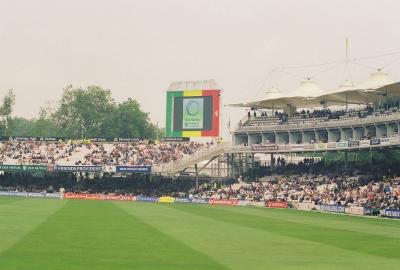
[193, 113]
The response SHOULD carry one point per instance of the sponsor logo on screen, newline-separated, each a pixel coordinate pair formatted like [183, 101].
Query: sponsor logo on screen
[192, 113]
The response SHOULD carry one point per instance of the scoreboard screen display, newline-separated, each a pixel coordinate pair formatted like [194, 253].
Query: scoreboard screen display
[193, 113]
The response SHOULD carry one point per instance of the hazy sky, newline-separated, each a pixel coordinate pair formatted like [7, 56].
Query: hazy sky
[137, 48]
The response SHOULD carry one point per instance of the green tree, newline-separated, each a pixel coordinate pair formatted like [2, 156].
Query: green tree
[89, 113]
[19, 126]
[6, 109]
[128, 120]
[83, 112]
[45, 125]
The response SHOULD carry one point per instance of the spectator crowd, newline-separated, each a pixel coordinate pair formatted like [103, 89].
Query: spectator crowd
[345, 190]
[282, 117]
[83, 152]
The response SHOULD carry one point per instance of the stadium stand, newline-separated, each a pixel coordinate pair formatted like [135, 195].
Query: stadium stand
[316, 116]
[321, 189]
[142, 152]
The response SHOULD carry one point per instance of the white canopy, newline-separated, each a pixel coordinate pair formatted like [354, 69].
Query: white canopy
[308, 89]
[341, 96]
[375, 80]
[273, 93]
[346, 85]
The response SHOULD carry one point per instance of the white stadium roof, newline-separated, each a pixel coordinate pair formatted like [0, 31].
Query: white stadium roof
[346, 85]
[376, 79]
[273, 93]
[377, 87]
[308, 89]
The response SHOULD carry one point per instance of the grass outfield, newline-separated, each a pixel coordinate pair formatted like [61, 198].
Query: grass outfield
[55, 234]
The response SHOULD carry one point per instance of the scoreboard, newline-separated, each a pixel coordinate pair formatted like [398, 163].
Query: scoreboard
[193, 113]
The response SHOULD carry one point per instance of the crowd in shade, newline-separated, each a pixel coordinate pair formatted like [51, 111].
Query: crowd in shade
[136, 184]
[321, 114]
[348, 191]
[335, 114]
[82, 152]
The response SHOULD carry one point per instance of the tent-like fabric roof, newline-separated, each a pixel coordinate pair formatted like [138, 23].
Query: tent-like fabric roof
[307, 89]
[354, 95]
[376, 79]
[280, 103]
[273, 93]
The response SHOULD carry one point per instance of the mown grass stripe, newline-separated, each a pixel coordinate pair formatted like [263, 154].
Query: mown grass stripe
[328, 220]
[99, 235]
[243, 247]
[20, 216]
[6, 200]
[365, 243]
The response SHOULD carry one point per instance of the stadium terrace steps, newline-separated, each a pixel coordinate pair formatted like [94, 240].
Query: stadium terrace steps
[185, 162]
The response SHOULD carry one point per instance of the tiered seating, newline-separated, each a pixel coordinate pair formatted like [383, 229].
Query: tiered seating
[315, 117]
[301, 120]
[322, 189]
[263, 121]
[91, 153]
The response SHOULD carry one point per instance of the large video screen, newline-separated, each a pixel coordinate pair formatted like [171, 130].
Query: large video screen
[193, 113]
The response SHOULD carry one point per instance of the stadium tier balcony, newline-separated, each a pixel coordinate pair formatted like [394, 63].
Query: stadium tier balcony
[319, 126]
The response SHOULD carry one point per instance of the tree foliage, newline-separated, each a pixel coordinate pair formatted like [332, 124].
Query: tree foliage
[6, 109]
[83, 112]
[121, 121]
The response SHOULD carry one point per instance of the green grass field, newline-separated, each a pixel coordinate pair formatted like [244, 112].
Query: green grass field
[55, 234]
